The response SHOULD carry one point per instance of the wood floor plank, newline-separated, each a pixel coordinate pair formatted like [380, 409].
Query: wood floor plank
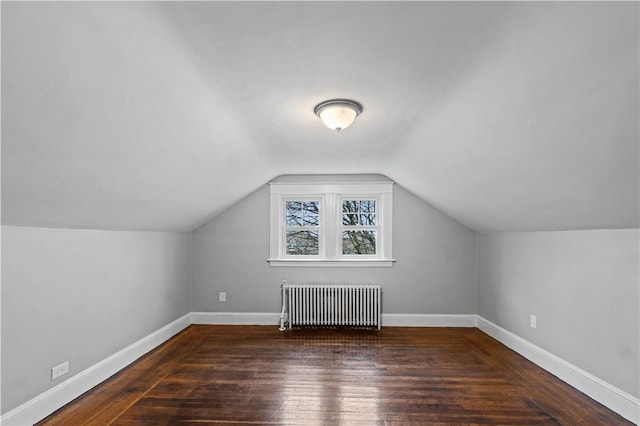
[253, 375]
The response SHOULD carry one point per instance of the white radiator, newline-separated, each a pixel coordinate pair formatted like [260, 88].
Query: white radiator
[328, 305]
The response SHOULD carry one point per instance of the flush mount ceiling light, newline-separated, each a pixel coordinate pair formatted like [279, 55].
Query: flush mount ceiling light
[338, 114]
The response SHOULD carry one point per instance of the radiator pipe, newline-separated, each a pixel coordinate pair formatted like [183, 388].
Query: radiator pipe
[283, 313]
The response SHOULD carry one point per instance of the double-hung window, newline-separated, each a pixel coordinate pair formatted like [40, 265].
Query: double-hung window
[329, 220]
[358, 228]
[301, 228]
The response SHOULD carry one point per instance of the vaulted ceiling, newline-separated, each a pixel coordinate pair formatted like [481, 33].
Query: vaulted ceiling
[159, 115]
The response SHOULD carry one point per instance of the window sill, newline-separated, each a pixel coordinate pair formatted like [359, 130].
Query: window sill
[333, 263]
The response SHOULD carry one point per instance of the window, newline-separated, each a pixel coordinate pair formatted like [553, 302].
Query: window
[359, 231]
[340, 220]
[302, 227]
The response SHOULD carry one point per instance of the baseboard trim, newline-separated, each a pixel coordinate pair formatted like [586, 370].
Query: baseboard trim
[46, 403]
[391, 320]
[425, 320]
[235, 318]
[606, 394]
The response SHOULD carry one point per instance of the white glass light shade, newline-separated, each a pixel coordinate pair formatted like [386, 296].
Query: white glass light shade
[337, 118]
[338, 114]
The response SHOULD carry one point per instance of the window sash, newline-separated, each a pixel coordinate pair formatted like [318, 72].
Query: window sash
[285, 228]
[342, 228]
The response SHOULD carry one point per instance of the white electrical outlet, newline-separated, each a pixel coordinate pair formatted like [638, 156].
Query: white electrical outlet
[222, 297]
[533, 321]
[59, 370]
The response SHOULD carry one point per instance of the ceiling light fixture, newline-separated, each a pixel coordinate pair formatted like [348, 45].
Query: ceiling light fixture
[338, 114]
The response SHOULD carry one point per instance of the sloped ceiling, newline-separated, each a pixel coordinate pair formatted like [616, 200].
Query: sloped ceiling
[159, 115]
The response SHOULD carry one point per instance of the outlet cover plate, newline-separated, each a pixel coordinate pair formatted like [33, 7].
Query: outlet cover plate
[59, 370]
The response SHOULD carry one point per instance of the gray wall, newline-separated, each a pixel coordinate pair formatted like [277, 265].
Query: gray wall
[582, 285]
[81, 296]
[434, 272]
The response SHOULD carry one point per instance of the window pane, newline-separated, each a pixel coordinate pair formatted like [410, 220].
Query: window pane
[359, 242]
[368, 219]
[311, 213]
[302, 243]
[349, 206]
[293, 213]
[368, 206]
[350, 219]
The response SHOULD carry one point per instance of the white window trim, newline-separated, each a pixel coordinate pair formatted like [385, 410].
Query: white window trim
[331, 191]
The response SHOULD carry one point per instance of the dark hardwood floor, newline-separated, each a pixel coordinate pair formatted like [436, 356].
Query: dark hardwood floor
[241, 375]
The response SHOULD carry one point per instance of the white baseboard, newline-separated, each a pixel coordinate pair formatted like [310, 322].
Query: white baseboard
[235, 318]
[606, 394]
[392, 320]
[424, 320]
[46, 403]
